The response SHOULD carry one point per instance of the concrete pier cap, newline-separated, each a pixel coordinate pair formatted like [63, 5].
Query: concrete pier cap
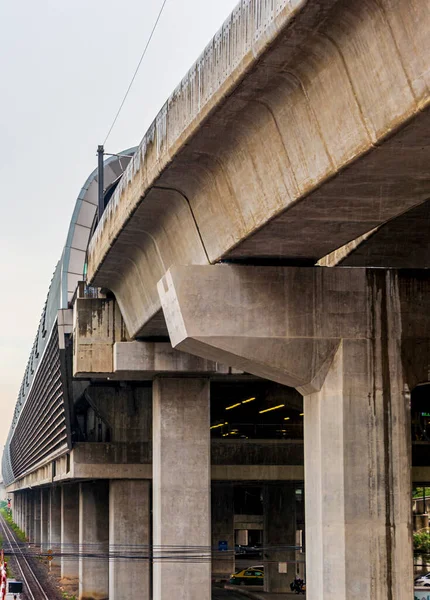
[287, 323]
[352, 340]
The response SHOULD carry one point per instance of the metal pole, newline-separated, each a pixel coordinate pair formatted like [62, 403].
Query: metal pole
[101, 203]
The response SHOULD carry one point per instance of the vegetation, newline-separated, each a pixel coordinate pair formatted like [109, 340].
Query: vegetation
[422, 542]
[419, 492]
[8, 517]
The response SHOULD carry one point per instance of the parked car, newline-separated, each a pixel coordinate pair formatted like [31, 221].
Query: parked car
[253, 551]
[249, 576]
[423, 580]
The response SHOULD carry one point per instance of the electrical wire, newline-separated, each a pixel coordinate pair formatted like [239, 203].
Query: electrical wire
[136, 71]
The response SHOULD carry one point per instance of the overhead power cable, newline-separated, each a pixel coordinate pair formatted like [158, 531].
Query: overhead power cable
[136, 71]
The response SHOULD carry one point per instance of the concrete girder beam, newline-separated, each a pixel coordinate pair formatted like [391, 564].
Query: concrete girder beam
[283, 168]
[147, 257]
[146, 360]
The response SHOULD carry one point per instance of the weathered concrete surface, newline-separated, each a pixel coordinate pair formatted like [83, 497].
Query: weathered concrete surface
[29, 514]
[126, 412]
[44, 518]
[400, 243]
[146, 360]
[284, 168]
[357, 474]
[258, 459]
[94, 540]
[257, 319]
[181, 489]
[97, 325]
[286, 323]
[100, 349]
[70, 531]
[223, 526]
[129, 539]
[279, 533]
[36, 537]
[357, 418]
[54, 537]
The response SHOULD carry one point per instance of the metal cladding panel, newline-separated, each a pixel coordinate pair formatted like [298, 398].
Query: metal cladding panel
[41, 427]
[35, 364]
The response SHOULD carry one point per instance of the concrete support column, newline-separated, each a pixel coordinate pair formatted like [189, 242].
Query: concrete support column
[19, 509]
[16, 508]
[222, 516]
[37, 528]
[44, 518]
[54, 539]
[129, 534]
[69, 531]
[279, 536]
[94, 540]
[358, 477]
[181, 488]
[28, 514]
[349, 340]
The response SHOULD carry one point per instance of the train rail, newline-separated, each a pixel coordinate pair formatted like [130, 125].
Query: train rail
[33, 590]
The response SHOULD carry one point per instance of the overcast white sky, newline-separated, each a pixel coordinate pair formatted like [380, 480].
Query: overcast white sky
[64, 67]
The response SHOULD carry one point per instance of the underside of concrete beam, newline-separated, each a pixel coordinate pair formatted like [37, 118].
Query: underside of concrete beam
[284, 169]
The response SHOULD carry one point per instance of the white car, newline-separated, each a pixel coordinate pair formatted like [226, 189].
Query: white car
[423, 580]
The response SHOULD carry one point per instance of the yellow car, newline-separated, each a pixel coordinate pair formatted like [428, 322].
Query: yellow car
[250, 576]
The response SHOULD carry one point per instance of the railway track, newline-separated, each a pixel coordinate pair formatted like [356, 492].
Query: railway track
[33, 590]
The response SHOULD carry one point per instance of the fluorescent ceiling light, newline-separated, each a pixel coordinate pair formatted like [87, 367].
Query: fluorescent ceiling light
[272, 408]
[249, 400]
[233, 406]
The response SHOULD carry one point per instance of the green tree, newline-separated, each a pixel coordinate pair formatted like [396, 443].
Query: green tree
[422, 542]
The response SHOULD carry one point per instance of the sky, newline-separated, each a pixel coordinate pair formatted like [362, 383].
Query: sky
[65, 66]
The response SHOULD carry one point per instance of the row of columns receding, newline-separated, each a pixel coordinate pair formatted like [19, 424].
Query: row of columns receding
[110, 534]
[357, 475]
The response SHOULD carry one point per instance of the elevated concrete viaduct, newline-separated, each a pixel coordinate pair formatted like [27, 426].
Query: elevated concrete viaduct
[262, 262]
[283, 143]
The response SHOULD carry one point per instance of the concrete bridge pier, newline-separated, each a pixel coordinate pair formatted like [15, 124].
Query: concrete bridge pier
[181, 489]
[54, 538]
[94, 540]
[357, 476]
[19, 509]
[69, 531]
[222, 515]
[354, 342]
[37, 527]
[29, 514]
[44, 518]
[16, 511]
[279, 534]
[129, 538]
